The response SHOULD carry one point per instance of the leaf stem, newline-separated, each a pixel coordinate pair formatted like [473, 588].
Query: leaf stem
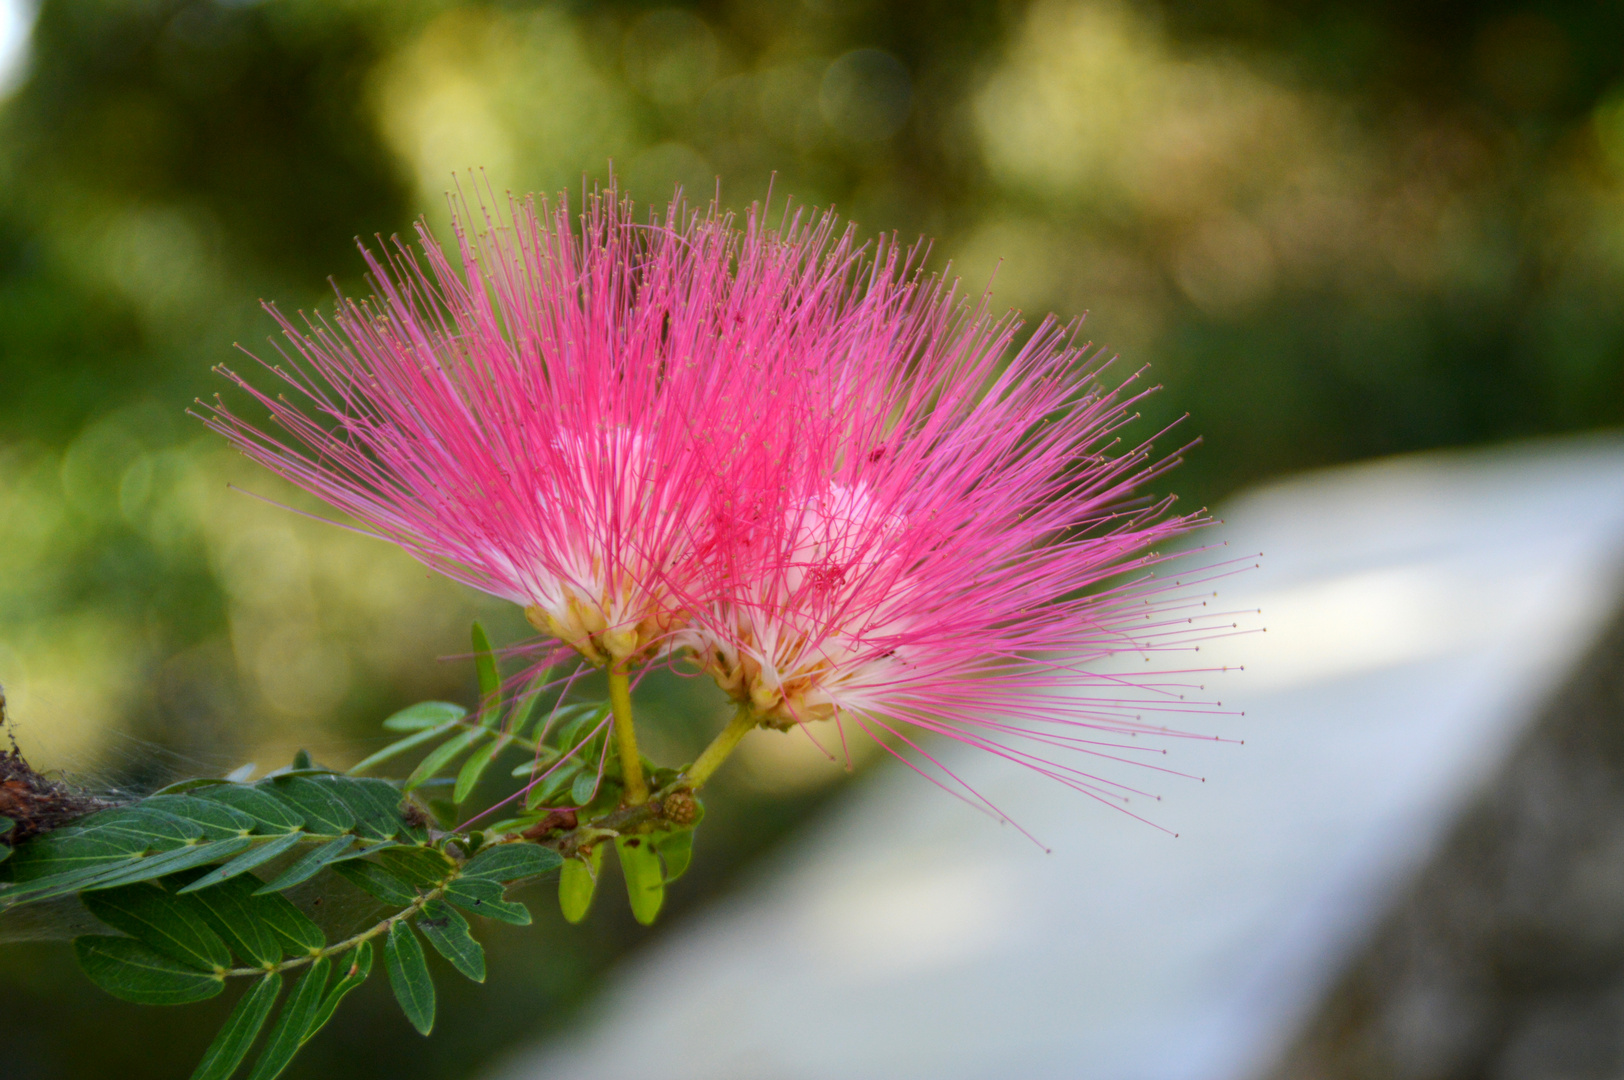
[631, 765]
[351, 942]
[719, 749]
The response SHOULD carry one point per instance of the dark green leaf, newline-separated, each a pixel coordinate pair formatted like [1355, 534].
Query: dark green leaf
[425, 714]
[238, 916]
[374, 879]
[374, 803]
[264, 853]
[6, 825]
[229, 1047]
[490, 678]
[311, 864]
[475, 766]
[133, 971]
[168, 862]
[63, 852]
[157, 830]
[400, 746]
[354, 967]
[444, 754]
[485, 897]
[578, 883]
[149, 914]
[298, 935]
[301, 759]
[420, 866]
[322, 810]
[510, 862]
[271, 813]
[676, 851]
[409, 976]
[447, 931]
[287, 1034]
[645, 885]
[217, 820]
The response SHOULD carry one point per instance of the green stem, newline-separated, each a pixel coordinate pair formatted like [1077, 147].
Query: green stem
[720, 747]
[348, 943]
[631, 765]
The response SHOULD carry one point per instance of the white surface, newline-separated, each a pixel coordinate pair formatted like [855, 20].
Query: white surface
[16, 24]
[1417, 609]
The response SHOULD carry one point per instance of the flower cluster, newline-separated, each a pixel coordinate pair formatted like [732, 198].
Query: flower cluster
[797, 462]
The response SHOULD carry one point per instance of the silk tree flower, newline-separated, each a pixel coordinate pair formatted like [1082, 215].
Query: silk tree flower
[954, 542]
[519, 413]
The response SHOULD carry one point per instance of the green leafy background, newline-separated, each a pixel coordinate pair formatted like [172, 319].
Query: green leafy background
[1337, 229]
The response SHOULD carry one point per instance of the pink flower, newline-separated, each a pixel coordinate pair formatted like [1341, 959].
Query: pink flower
[950, 541]
[520, 415]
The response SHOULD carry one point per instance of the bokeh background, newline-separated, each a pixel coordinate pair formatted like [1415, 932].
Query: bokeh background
[1334, 229]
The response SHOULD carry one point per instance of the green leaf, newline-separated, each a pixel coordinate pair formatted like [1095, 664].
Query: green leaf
[154, 866]
[645, 884]
[574, 722]
[584, 787]
[356, 966]
[217, 820]
[271, 814]
[264, 853]
[133, 971]
[373, 878]
[400, 746]
[239, 917]
[298, 935]
[375, 804]
[676, 851]
[447, 931]
[578, 883]
[6, 825]
[420, 866]
[530, 698]
[287, 1034]
[475, 767]
[552, 788]
[490, 678]
[444, 754]
[425, 714]
[409, 976]
[485, 897]
[311, 864]
[62, 852]
[148, 914]
[157, 830]
[242, 1027]
[510, 862]
[323, 811]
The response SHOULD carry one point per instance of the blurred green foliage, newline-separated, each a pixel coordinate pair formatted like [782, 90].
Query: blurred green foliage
[1336, 229]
